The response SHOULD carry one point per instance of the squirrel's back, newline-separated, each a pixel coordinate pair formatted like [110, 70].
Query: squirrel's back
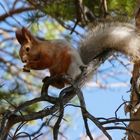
[121, 37]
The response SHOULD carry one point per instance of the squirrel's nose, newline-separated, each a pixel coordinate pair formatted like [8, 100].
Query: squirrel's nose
[24, 59]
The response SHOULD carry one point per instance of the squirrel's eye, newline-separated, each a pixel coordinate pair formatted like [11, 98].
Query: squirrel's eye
[27, 49]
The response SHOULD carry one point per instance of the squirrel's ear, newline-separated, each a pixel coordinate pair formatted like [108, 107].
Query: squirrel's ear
[20, 37]
[137, 19]
[27, 35]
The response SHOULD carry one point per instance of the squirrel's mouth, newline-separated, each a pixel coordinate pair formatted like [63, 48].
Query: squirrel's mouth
[25, 59]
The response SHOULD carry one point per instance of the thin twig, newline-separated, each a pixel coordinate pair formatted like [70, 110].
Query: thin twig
[122, 128]
[119, 120]
[83, 110]
[61, 113]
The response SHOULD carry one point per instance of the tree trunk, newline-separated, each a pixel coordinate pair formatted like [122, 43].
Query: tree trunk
[134, 105]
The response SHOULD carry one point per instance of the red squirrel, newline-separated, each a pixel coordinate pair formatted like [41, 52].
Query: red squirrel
[60, 58]
[56, 55]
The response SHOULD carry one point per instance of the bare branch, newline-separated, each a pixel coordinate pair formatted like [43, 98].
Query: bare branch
[15, 11]
[122, 128]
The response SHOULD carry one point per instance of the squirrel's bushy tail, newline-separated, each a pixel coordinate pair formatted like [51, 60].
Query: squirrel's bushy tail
[121, 37]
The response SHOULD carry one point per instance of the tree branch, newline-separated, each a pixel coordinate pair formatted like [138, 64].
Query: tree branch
[15, 11]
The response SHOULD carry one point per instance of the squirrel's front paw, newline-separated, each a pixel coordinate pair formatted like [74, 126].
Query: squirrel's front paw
[26, 69]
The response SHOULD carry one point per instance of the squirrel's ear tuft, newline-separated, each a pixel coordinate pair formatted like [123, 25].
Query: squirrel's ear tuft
[20, 36]
[24, 36]
[27, 35]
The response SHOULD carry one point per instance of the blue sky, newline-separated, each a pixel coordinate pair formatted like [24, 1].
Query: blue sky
[101, 102]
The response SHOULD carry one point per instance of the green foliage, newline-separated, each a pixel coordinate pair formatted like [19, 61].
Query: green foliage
[122, 7]
[62, 9]
[66, 10]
